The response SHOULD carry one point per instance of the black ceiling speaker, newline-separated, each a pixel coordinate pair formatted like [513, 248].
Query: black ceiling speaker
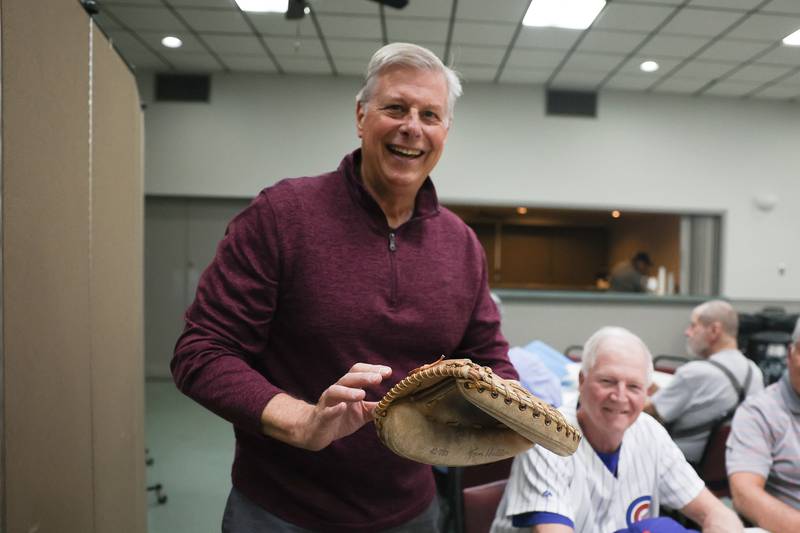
[296, 9]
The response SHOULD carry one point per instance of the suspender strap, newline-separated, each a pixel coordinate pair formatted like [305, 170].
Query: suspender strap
[741, 392]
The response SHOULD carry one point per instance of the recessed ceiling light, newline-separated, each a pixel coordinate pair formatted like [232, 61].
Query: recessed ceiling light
[615, 214]
[522, 210]
[793, 39]
[570, 14]
[170, 41]
[306, 10]
[649, 66]
[263, 6]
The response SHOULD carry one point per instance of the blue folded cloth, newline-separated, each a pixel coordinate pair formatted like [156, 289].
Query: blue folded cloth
[555, 361]
[535, 376]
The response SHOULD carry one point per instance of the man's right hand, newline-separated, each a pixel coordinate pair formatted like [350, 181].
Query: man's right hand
[340, 411]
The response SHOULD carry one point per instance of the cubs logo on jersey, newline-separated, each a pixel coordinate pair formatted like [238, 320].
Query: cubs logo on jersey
[639, 509]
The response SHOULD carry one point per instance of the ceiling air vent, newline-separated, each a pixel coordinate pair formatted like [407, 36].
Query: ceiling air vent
[183, 87]
[572, 103]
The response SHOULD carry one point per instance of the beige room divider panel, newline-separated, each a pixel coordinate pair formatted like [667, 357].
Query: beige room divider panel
[72, 387]
[117, 265]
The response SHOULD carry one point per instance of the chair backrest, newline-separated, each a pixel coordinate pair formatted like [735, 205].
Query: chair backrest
[711, 467]
[669, 363]
[485, 473]
[574, 352]
[480, 505]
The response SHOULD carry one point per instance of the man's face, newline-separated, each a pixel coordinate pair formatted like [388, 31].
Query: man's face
[698, 337]
[614, 392]
[403, 128]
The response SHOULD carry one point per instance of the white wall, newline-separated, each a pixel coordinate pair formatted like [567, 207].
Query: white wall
[644, 151]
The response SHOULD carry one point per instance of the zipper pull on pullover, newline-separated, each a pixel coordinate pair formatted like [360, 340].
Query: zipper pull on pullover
[392, 242]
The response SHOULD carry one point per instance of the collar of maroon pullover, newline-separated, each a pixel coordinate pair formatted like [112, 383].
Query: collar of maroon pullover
[426, 203]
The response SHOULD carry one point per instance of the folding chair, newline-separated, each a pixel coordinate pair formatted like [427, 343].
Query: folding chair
[480, 505]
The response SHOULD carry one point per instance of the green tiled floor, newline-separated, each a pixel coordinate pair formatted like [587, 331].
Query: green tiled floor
[192, 451]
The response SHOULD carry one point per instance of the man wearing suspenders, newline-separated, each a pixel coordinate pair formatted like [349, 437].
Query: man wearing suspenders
[706, 390]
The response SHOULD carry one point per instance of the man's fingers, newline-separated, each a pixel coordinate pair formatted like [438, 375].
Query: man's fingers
[360, 379]
[339, 393]
[383, 370]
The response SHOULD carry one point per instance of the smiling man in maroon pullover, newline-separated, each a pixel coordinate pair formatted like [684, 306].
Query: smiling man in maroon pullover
[325, 292]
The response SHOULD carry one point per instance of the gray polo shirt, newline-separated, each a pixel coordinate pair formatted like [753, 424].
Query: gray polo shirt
[700, 393]
[765, 440]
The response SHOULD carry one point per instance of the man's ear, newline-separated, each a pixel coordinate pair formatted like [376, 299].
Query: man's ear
[361, 112]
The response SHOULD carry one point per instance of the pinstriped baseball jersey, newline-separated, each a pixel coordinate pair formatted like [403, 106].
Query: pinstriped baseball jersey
[652, 471]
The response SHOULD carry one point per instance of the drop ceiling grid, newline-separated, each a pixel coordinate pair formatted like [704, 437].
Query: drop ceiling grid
[748, 55]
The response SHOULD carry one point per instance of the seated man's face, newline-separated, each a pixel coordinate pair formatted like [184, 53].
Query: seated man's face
[614, 392]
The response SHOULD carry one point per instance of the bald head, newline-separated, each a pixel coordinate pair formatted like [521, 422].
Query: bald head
[622, 340]
[719, 311]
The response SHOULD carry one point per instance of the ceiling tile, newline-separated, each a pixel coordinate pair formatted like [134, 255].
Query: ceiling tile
[758, 73]
[477, 33]
[476, 55]
[680, 85]
[249, 63]
[105, 22]
[741, 5]
[583, 61]
[610, 41]
[672, 45]
[584, 80]
[733, 50]
[347, 7]
[216, 20]
[195, 63]
[413, 31]
[234, 44]
[626, 82]
[190, 43]
[524, 75]
[304, 65]
[732, 88]
[701, 22]
[779, 92]
[351, 67]
[481, 10]
[276, 24]
[631, 69]
[288, 47]
[526, 58]
[632, 17]
[794, 79]
[351, 49]
[782, 55]
[216, 4]
[129, 2]
[705, 70]
[146, 18]
[134, 52]
[767, 27]
[783, 6]
[553, 38]
[422, 10]
[477, 73]
[348, 27]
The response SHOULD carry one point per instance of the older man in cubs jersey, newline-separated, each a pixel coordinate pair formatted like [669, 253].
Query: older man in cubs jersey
[626, 466]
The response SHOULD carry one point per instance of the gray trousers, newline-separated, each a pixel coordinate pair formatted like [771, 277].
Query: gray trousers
[243, 516]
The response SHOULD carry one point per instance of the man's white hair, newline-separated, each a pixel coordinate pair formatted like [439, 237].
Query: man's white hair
[603, 335]
[411, 56]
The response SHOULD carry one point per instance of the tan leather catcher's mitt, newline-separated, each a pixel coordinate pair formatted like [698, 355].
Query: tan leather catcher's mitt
[456, 413]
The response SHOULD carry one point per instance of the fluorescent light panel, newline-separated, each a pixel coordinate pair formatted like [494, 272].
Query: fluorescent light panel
[263, 6]
[571, 14]
[793, 39]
